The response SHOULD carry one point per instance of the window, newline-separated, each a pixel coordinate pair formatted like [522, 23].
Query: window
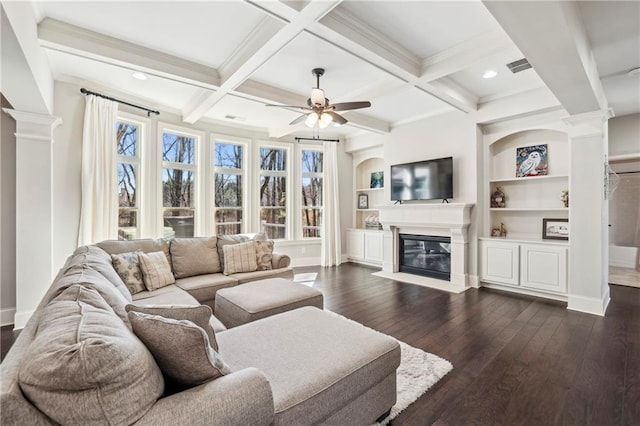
[273, 191]
[178, 183]
[311, 208]
[128, 166]
[229, 177]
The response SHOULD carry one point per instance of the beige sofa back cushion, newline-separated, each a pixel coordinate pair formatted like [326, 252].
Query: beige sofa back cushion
[145, 245]
[85, 366]
[194, 256]
[100, 261]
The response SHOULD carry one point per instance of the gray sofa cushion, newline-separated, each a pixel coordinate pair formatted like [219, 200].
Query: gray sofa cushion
[146, 245]
[85, 366]
[168, 295]
[181, 348]
[204, 287]
[200, 315]
[336, 360]
[100, 261]
[194, 256]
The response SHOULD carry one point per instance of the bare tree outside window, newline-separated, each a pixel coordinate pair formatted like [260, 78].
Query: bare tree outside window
[127, 148]
[273, 192]
[312, 173]
[228, 187]
[178, 183]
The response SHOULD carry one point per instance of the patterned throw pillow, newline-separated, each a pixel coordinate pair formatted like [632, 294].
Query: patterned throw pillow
[180, 347]
[128, 267]
[240, 258]
[264, 254]
[200, 315]
[156, 271]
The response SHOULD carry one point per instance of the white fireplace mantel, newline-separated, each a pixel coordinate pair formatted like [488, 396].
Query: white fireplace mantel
[450, 220]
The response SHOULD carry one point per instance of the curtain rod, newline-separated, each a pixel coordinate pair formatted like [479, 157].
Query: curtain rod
[149, 111]
[317, 139]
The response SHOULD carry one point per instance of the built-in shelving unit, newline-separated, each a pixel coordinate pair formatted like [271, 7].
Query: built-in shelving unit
[363, 171]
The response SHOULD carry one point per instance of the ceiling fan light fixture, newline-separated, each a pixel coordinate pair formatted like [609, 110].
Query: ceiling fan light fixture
[312, 119]
[325, 120]
[317, 96]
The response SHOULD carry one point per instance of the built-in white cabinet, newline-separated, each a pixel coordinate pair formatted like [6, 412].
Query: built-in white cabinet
[531, 266]
[543, 267]
[500, 262]
[365, 246]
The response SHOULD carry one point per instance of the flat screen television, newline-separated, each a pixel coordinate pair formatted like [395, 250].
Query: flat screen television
[422, 180]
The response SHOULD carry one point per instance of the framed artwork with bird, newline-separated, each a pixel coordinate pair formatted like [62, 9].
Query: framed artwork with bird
[531, 161]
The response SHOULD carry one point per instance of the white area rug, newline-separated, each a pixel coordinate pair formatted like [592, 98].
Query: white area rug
[418, 372]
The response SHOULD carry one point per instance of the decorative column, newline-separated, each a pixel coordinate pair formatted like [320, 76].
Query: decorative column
[588, 213]
[34, 210]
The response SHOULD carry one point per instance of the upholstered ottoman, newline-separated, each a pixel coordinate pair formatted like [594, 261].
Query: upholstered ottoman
[322, 368]
[260, 299]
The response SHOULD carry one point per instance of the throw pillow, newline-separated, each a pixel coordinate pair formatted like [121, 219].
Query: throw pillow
[156, 271]
[85, 367]
[235, 239]
[194, 256]
[200, 315]
[128, 268]
[264, 254]
[180, 347]
[240, 258]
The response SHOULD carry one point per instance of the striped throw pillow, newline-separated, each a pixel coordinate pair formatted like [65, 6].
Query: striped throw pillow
[240, 258]
[156, 271]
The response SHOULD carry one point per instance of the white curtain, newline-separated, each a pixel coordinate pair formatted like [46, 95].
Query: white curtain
[331, 251]
[99, 208]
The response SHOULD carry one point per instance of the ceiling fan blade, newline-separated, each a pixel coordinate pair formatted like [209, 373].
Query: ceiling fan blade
[299, 119]
[344, 106]
[337, 118]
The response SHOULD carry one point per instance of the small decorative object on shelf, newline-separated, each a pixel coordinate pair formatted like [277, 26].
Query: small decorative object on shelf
[531, 161]
[555, 229]
[372, 222]
[564, 197]
[503, 230]
[363, 201]
[377, 180]
[498, 198]
[495, 232]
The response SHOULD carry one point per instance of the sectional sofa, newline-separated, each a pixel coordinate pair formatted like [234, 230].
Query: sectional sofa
[78, 360]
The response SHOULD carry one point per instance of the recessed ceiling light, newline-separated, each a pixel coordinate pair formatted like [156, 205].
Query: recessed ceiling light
[139, 76]
[490, 74]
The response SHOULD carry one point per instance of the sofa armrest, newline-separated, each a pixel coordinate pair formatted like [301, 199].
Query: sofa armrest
[240, 398]
[280, 260]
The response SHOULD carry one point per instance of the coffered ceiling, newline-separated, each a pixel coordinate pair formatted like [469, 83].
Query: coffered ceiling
[224, 60]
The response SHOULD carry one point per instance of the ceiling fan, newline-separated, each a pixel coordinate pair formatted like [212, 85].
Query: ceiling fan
[319, 110]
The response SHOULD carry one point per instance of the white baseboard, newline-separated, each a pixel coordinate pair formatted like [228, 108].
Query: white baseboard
[7, 316]
[589, 305]
[21, 319]
[474, 281]
[344, 258]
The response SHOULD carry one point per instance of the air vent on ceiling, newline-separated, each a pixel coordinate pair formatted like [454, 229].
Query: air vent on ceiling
[520, 65]
[230, 117]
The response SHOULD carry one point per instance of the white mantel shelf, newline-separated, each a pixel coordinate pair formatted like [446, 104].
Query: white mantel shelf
[450, 220]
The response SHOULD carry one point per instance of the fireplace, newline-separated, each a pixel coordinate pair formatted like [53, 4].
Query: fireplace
[425, 255]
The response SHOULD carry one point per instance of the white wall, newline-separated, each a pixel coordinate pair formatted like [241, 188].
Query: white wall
[7, 216]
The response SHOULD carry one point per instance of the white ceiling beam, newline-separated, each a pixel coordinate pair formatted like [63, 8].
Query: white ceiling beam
[350, 34]
[67, 38]
[553, 39]
[464, 54]
[256, 52]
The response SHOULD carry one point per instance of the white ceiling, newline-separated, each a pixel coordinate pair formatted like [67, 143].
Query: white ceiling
[411, 59]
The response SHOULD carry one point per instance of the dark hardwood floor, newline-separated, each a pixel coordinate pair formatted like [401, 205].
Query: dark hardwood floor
[518, 360]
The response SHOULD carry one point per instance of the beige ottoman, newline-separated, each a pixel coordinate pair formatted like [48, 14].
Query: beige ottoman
[260, 299]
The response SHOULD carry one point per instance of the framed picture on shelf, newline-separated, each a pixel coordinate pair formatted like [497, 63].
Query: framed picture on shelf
[363, 201]
[531, 161]
[555, 229]
[377, 180]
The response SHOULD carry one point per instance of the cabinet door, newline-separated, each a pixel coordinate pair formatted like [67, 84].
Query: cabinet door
[499, 262]
[355, 244]
[543, 267]
[373, 247]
